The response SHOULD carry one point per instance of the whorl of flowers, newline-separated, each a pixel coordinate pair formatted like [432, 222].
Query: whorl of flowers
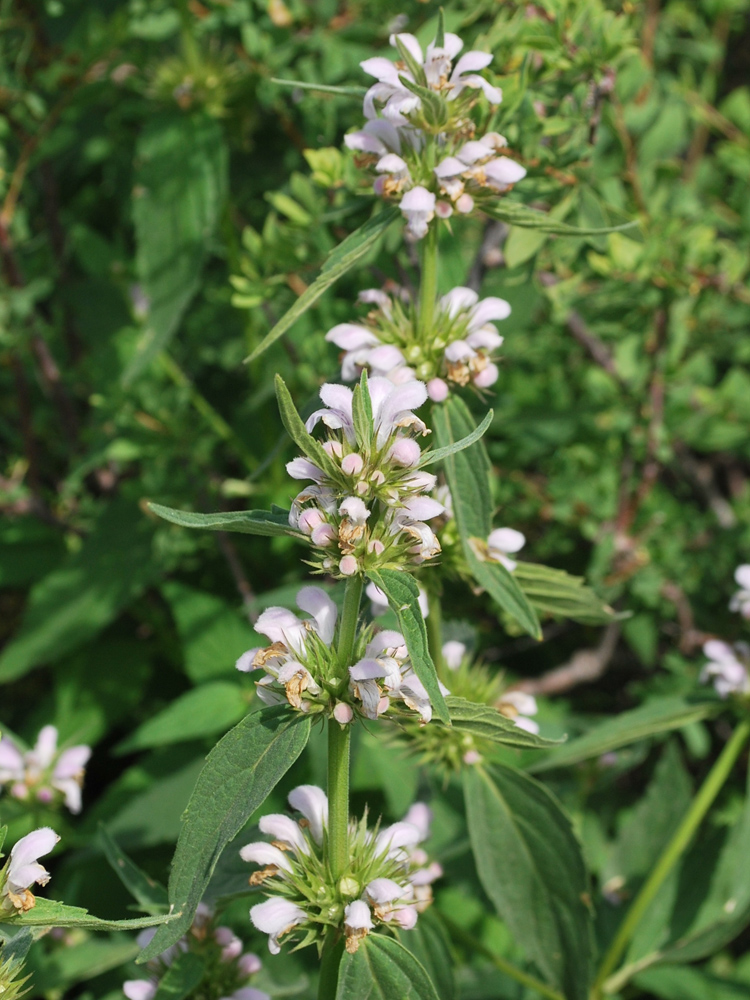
[741, 600]
[388, 879]
[366, 509]
[228, 966]
[458, 349]
[302, 667]
[419, 138]
[727, 667]
[44, 773]
[22, 870]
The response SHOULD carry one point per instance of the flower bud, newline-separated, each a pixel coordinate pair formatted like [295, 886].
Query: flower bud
[406, 452]
[437, 390]
[352, 464]
[343, 713]
[348, 566]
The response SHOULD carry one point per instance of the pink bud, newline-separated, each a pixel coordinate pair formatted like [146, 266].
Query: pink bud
[323, 535]
[352, 465]
[464, 204]
[248, 964]
[379, 185]
[19, 790]
[443, 209]
[437, 390]
[45, 795]
[406, 452]
[333, 448]
[362, 487]
[487, 377]
[343, 713]
[383, 705]
[309, 519]
[348, 566]
[376, 547]
[472, 757]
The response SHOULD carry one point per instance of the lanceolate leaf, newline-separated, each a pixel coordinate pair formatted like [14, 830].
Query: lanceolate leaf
[403, 596]
[147, 891]
[362, 411]
[530, 218]
[661, 715]
[237, 777]
[429, 944]
[439, 454]
[467, 473]
[246, 522]
[51, 913]
[559, 593]
[531, 867]
[181, 978]
[340, 260]
[382, 969]
[297, 430]
[485, 722]
[356, 92]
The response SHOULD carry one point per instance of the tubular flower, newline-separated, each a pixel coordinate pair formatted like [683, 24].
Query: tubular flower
[463, 341]
[741, 600]
[228, 966]
[366, 509]
[22, 870]
[518, 706]
[398, 140]
[388, 879]
[727, 667]
[45, 773]
[385, 675]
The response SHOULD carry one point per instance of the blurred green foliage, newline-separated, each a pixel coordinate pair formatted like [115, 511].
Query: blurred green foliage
[163, 204]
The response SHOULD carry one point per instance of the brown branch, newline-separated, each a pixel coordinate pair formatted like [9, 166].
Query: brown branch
[229, 552]
[584, 667]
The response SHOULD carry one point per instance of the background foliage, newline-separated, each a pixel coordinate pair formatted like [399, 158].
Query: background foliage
[164, 203]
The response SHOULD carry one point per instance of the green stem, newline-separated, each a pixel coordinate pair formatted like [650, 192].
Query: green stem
[329, 966]
[428, 282]
[672, 852]
[434, 625]
[339, 739]
[508, 968]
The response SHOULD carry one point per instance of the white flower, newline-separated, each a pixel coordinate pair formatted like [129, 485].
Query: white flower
[312, 802]
[501, 543]
[518, 705]
[23, 869]
[418, 208]
[45, 770]
[140, 989]
[262, 853]
[276, 917]
[728, 671]
[379, 602]
[741, 600]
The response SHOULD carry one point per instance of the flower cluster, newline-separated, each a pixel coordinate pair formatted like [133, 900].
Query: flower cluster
[419, 138]
[228, 966]
[741, 600]
[387, 881]
[366, 507]
[302, 666]
[22, 870]
[461, 343]
[727, 667]
[44, 773]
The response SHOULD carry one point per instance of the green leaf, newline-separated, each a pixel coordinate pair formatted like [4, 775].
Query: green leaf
[206, 710]
[689, 984]
[382, 969]
[56, 970]
[181, 978]
[440, 32]
[558, 593]
[403, 596]
[530, 865]
[433, 105]
[468, 474]
[246, 522]
[416, 69]
[357, 92]
[362, 412]
[297, 431]
[180, 188]
[144, 889]
[51, 913]
[429, 944]
[237, 777]
[339, 261]
[661, 715]
[530, 218]
[77, 600]
[430, 457]
[485, 722]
